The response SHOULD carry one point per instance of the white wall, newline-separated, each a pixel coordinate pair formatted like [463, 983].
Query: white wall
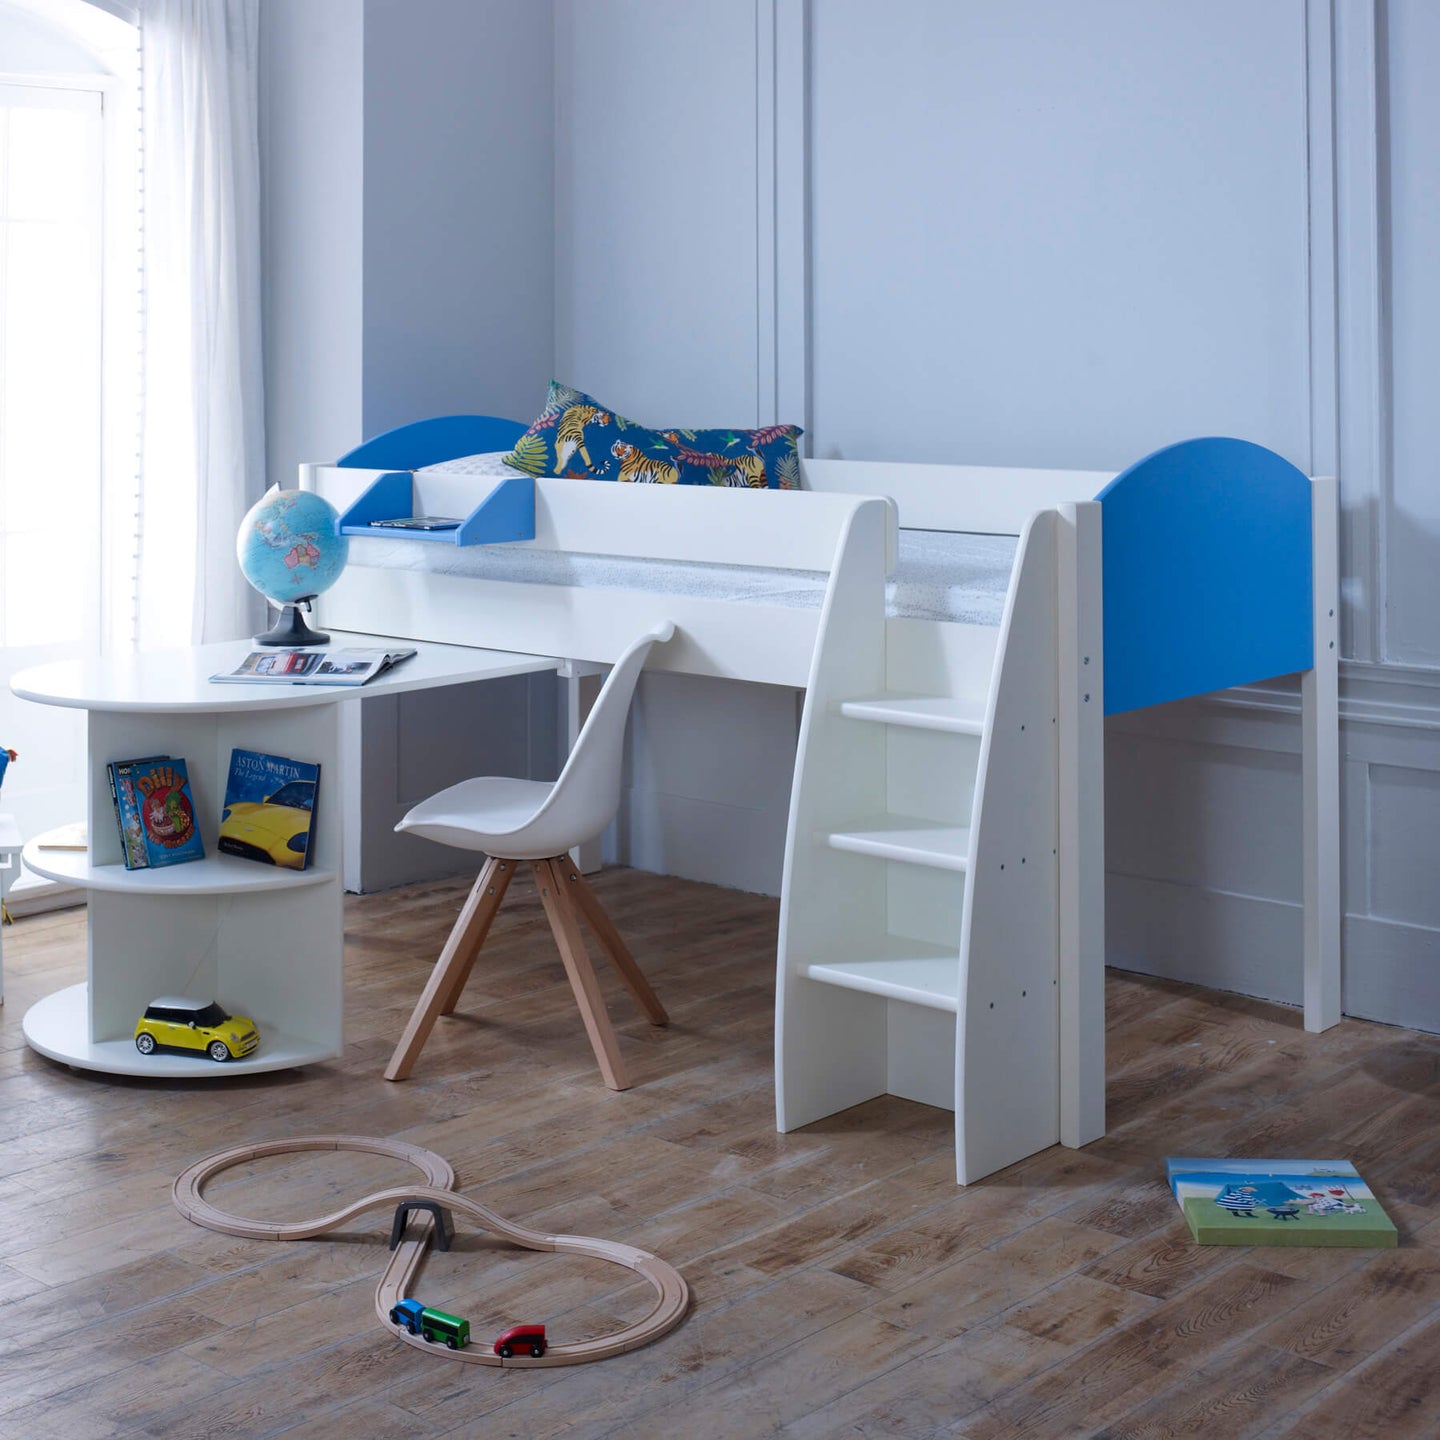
[312, 107]
[1057, 235]
[458, 233]
[655, 208]
[407, 170]
[1410, 527]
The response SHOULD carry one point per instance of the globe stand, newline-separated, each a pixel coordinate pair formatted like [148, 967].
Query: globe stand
[291, 630]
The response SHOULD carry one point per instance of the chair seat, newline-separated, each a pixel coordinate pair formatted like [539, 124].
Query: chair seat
[492, 813]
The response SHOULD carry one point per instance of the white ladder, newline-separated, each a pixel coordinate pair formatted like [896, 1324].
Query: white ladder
[919, 924]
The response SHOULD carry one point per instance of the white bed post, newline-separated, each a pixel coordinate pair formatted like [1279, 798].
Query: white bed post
[1320, 765]
[1081, 780]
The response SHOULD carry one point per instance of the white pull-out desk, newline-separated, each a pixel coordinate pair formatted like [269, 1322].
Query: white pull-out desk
[264, 941]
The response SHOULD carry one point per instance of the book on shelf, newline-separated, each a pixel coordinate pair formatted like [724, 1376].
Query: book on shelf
[160, 792]
[269, 813]
[1278, 1202]
[315, 667]
[75, 836]
[127, 810]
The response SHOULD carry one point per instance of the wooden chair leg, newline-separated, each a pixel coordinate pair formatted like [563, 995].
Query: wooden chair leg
[499, 873]
[452, 968]
[556, 900]
[614, 947]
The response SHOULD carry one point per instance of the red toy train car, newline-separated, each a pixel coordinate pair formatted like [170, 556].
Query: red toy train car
[521, 1337]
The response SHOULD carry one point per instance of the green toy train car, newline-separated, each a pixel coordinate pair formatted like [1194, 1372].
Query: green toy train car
[432, 1325]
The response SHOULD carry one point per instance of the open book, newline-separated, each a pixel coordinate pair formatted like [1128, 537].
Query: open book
[315, 667]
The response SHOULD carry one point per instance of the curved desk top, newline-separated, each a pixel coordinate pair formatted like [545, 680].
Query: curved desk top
[172, 681]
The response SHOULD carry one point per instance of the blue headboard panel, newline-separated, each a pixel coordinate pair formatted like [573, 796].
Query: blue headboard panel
[429, 442]
[1207, 566]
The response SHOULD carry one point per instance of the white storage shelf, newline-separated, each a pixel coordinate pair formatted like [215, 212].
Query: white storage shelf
[264, 941]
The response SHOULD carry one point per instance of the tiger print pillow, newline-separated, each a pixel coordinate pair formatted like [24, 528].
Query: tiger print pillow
[777, 447]
[555, 444]
[577, 437]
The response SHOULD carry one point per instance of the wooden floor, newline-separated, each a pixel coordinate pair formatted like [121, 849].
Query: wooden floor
[844, 1286]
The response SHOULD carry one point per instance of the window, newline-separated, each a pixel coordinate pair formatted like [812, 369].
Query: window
[69, 312]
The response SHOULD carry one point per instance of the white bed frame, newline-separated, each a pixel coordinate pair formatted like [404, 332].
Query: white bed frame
[942, 907]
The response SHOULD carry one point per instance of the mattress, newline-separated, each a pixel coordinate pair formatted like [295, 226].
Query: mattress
[939, 575]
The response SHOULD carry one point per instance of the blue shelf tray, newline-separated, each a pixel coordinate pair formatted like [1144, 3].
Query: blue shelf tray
[506, 513]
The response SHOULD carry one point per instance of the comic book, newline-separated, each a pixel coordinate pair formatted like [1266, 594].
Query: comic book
[127, 810]
[167, 812]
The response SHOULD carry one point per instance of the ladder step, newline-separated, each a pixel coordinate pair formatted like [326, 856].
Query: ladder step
[905, 838]
[899, 969]
[920, 712]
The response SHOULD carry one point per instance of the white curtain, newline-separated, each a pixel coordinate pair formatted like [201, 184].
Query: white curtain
[203, 443]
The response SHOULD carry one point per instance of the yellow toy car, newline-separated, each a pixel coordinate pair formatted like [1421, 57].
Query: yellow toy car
[275, 830]
[187, 1026]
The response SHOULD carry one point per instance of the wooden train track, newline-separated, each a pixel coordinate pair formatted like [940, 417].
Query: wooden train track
[672, 1293]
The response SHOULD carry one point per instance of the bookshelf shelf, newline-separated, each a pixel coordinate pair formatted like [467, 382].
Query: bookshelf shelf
[214, 875]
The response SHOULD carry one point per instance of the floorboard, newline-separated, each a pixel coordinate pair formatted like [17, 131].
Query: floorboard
[843, 1284]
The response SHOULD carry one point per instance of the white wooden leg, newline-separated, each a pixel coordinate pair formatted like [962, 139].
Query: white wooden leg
[1320, 766]
[1082, 826]
[580, 684]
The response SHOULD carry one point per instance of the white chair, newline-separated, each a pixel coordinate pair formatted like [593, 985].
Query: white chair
[539, 821]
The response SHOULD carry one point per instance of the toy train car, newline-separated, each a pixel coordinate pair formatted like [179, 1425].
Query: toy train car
[434, 1326]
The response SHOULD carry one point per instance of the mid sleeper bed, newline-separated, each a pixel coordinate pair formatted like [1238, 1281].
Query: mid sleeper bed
[960, 634]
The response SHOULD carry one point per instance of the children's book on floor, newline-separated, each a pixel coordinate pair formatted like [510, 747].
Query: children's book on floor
[1278, 1202]
[269, 813]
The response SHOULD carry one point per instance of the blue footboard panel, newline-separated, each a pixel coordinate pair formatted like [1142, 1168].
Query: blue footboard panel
[1207, 568]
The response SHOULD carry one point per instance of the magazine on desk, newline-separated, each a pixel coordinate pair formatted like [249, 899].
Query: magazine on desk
[314, 667]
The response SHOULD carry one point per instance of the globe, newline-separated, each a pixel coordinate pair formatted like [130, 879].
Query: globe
[290, 551]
